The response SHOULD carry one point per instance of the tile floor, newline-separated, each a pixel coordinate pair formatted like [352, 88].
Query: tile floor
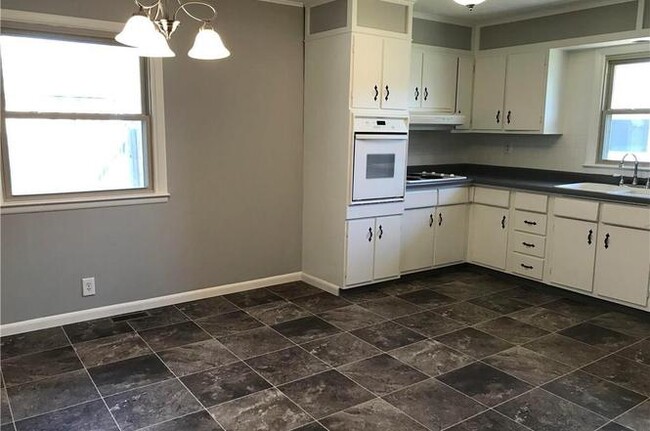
[460, 350]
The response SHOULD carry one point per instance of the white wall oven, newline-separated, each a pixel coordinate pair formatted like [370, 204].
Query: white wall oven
[380, 152]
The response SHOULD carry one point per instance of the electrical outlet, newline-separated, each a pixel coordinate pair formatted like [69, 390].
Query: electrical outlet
[507, 149]
[88, 286]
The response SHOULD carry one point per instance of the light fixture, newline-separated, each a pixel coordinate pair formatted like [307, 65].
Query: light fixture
[149, 30]
[469, 3]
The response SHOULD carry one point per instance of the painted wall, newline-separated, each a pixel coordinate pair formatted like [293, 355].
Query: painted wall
[234, 155]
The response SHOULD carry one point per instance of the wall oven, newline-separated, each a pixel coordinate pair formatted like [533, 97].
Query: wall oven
[380, 152]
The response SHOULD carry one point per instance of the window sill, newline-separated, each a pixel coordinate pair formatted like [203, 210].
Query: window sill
[81, 203]
[628, 166]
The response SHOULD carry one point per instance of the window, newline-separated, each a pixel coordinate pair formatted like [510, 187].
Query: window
[625, 118]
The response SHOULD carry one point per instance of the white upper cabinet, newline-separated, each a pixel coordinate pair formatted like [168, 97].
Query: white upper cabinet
[395, 82]
[464, 90]
[415, 80]
[489, 88]
[524, 98]
[439, 72]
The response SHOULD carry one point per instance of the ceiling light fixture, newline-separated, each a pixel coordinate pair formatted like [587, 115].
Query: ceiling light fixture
[151, 27]
[470, 4]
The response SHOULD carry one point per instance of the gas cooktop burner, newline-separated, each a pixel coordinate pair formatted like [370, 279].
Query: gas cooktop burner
[430, 177]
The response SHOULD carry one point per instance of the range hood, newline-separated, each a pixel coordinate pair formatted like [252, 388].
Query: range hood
[430, 121]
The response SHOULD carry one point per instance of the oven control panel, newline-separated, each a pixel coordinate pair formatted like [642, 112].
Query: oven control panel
[380, 125]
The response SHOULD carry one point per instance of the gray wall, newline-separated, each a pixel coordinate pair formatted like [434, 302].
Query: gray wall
[443, 34]
[234, 155]
[328, 16]
[646, 14]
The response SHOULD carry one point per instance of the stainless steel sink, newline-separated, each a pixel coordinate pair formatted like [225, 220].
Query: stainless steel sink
[608, 189]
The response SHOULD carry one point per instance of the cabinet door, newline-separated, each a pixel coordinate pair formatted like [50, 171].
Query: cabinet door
[623, 264]
[464, 90]
[451, 234]
[489, 235]
[573, 252]
[415, 97]
[489, 87]
[396, 71]
[418, 226]
[525, 91]
[366, 75]
[361, 244]
[387, 247]
[439, 73]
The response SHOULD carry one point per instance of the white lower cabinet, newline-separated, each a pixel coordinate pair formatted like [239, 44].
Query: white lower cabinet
[373, 249]
[451, 234]
[489, 235]
[418, 229]
[573, 253]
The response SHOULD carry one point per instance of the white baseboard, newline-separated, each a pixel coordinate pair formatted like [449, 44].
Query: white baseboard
[321, 284]
[145, 304]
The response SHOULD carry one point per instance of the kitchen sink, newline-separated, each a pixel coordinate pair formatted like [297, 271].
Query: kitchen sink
[609, 189]
[634, 191]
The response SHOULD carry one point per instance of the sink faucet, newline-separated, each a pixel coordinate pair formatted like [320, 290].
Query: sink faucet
[635, 177]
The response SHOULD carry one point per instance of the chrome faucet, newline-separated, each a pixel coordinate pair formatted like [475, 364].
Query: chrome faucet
[635, 177]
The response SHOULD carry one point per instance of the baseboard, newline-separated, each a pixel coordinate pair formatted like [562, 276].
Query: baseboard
[145, 304]
[321, 284]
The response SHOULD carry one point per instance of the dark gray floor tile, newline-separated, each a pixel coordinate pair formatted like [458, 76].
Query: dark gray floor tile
[427, 298]
[542, 411]
[434, 405]
[287, 365]
[573, 308]
[467, 313]
[430, 324]
[293, 290]
[545, 319]
[111, 349]
[340, 349]
[488, 421]
[597, 395]
[363, 294]
[267, 410]
[485, 384]
[460, 290]
[314, 426]
[565, 350]
[54, 393]
[251, 298]
[277, 312]
[500, 303]
[637, 419]
[229, 323]
[491, 283]
[255, 342]
[325, 393]
[596, 336]
[623, 372]
[373, 415]
[431, 357]
[226, 383]
[625, 323]
[93, 329]
[91, 416]
[32, 342]
[171, 336]
[306, 329]
[474, 343]
[152, 404]
[320, 302]
[401, 286]
[128, 374]
[192, 358]
[388, 336]
[527, 365]
[351, 318]
[639, 352]
[199, 421]
[512, 330]
[532, 296]
[157, 317]
[7, 427]
[382, 374]
[612, 426]
[391, 307]
[5, 412]
[206, 307]
[35, 366]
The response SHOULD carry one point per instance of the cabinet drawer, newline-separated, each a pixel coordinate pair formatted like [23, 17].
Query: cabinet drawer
[531, 202]
[527, 265]
[494, 197]
[453, 196]
[529, 244]
[626, 215]
[576, 208]
[420, 199]
[530, 222]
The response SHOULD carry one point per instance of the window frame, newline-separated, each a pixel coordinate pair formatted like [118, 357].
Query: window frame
[152, 118]
[611, 62]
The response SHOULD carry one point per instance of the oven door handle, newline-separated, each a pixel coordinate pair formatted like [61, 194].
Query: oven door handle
[392, 137]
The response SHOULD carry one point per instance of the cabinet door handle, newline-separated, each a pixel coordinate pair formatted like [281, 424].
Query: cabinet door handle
[417, 93]
[607, 241]
[376, 93]
[590, 236]
[426, 93]
[370, 234]
[430, 220]
[530, 223]
[529, 245]
[527, 266]
[503, 222]
[498, 116]
[439, 219]
[381, 231]
[508, 117]
[387, 93]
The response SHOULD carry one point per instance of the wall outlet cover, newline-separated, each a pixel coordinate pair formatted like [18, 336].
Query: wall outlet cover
[88, 286]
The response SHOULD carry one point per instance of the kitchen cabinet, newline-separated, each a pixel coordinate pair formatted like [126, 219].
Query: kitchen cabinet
[489, 88]
[573, 253]
[380, 72]
[489, 235]
[524, 91]
[418, 229]
[387, 247]
[450, 234]
[464, 90]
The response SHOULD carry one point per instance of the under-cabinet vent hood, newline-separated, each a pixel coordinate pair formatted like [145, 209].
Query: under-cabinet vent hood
[424, 121]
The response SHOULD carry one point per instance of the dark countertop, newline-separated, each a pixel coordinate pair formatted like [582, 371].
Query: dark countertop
[527, 179]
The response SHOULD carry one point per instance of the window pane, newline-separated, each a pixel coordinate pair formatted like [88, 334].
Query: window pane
[631, 86]
[63, 156]
[627, 133]
[46, 75]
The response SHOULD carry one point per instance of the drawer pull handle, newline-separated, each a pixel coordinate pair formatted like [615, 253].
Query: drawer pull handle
[607, 241]
[590, 236]
[529, 245]
[530, 223]
[503, 222]
[527, 266]
[430, 220]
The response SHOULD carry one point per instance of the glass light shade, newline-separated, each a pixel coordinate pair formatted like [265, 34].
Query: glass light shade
[208, 46]
[155, 46]
[470, 3]
[137, 30]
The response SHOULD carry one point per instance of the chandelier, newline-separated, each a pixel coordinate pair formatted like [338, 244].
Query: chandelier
[151, 27]
[469, 3]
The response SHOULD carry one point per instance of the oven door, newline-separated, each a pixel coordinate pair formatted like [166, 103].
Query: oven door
[379, 166]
